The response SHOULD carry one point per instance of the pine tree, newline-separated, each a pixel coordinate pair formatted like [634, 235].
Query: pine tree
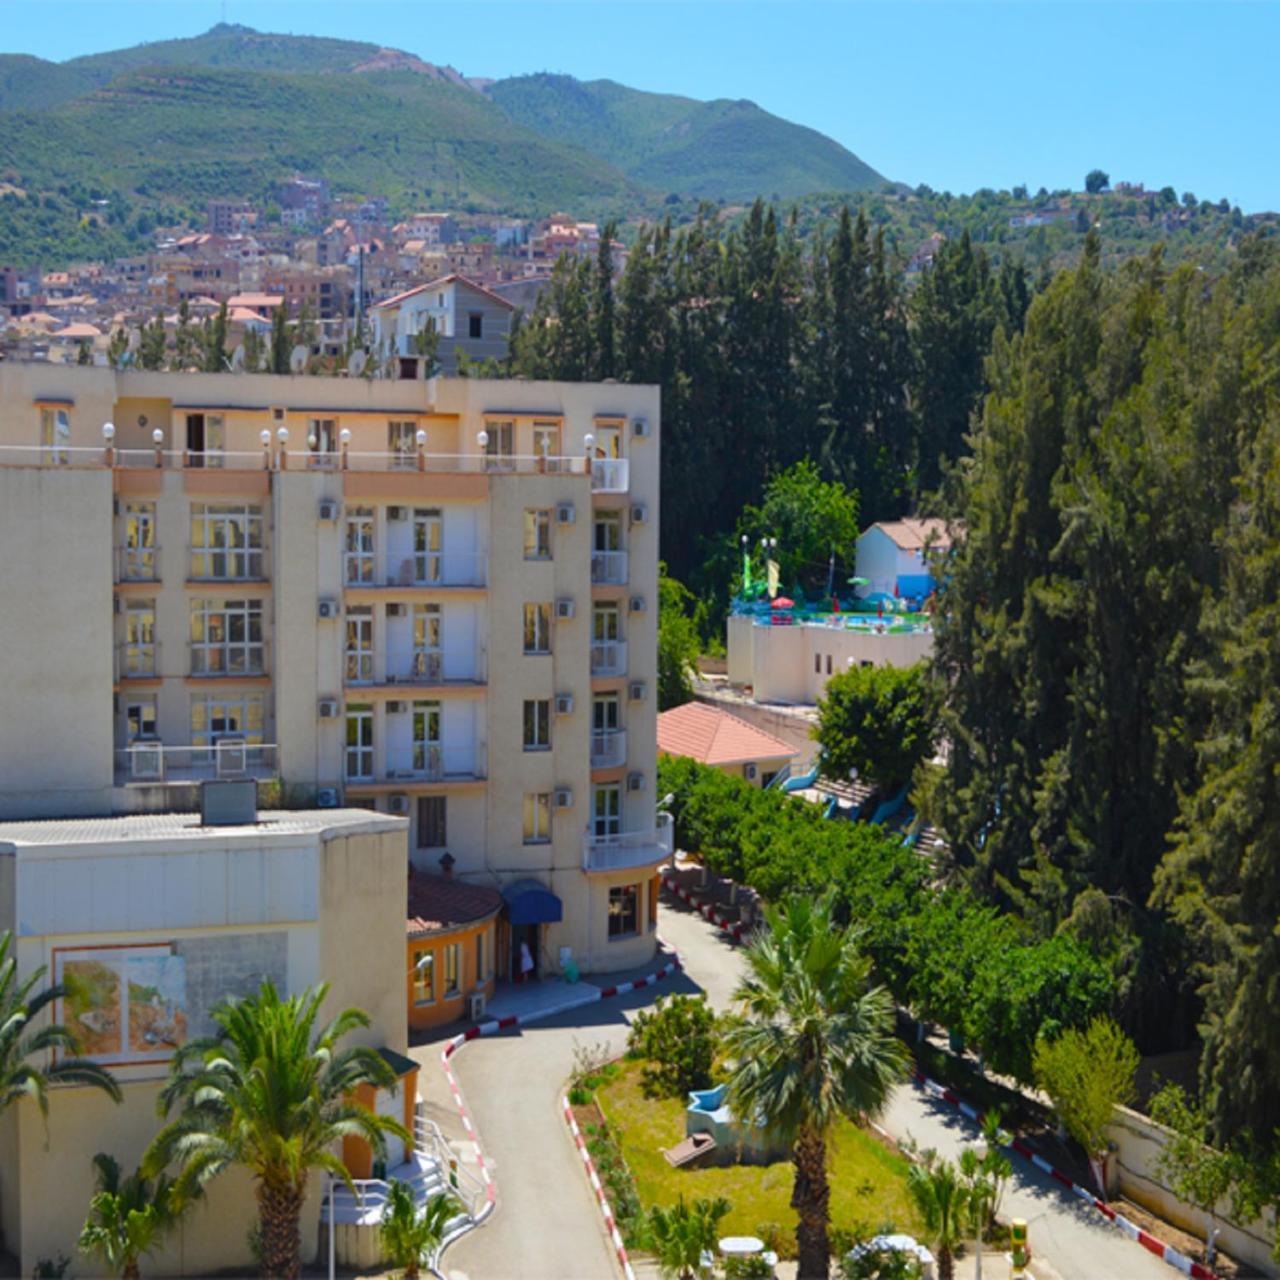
[279, 345]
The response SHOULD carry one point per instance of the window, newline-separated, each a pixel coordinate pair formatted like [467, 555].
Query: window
[359, 548]
[624, 910]
[608, 442]
[828, 664]
[204, 440]
[452, 970]
[428, 757]
[402, 444]
[605, 626]
[359, 766]
[432, 822]
[226, 542]
[537, 817]
[653, 902]
[140, 719]
[424, 977]
[226, 638]
[428, 656]
[500, 449]
[537, 724]
[606, 811]
[537, 535]
[475, 325]
[428, 544]
[55, 434]
[607, 531]
[359, 652]
[215, 717]
[537, 628]
[482, 967]
[604, 713]
[138, 555]
[817, 664]
[139, 639]
[546, 445]
[322, 442]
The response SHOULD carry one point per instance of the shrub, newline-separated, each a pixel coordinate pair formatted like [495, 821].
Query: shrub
[677, 1039]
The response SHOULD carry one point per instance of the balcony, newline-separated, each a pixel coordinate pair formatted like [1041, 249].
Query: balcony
[226, 564]
[609, 658]
[236, 660]
[422, 570]
[148, 761]
[608, 568]
[628, 849]
[415, 669]
[137, 661]
[425, 762]
[137, 564]
[610, 475]
[608, 748]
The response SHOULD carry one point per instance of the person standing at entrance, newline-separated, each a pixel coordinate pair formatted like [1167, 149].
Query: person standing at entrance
[526, 962]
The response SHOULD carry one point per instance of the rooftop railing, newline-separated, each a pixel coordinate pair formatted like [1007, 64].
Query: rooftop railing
[150, 761]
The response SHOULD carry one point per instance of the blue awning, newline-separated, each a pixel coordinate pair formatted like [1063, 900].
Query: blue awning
[529, 902]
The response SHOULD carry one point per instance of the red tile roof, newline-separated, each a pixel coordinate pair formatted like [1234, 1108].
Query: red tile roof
[712, 736]
[913, 535]
[437, 903]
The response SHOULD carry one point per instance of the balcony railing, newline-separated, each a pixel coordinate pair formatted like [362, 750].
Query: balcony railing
[628, 849]
[432, 762]
[149, 761]
[609, 568]
[137, 564]
[429, 667]
[230, 661]
[226, 564]
[610, 475]
[137, 660]
[421, 569]
[609, 658]
[608, 748]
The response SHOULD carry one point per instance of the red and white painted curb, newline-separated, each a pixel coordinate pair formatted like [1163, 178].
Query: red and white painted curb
[495, 1025]
[606, 1209]
[1165, 1251]
[734, 928]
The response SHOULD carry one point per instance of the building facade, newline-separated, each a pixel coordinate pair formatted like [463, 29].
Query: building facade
[437, 599]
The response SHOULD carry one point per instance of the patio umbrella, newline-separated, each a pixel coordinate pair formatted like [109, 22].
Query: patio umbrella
[783, 603]
[859, 582]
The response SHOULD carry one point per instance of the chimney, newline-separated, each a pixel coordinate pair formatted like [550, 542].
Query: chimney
[446, 865]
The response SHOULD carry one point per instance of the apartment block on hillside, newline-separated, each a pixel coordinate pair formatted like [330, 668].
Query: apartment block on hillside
[436, 599]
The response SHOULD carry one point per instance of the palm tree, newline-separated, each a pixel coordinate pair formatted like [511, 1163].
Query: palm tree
[817, 1044]
[683, 1233]
[942, 1199]
[127, 1218]
[271, 1093]
[409, 1237]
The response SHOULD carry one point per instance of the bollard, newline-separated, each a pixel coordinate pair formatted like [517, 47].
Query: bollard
[1019, 1245]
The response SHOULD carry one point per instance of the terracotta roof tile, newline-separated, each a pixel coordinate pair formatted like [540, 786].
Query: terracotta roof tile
[912, 535]
[712, 736]
[436, 903]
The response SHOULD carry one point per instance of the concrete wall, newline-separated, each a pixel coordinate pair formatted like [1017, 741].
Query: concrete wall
[1139, 1141]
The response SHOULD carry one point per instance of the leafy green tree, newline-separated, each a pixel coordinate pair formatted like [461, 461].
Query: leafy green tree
[279, 345]
[270, 1092]
[678, 644]
[880, 721]
[84, 352]
[1087, 1074]
[868, 1262]
[603, 310]
[1096, 181]
[117, 347]
[817, 1044]
[677, 1039]
[683, 1233]
[128, 1218]
[426, 344]
[254, 350]
[942, 1199]
[153, 344]
[186, 339]
[410, 1237]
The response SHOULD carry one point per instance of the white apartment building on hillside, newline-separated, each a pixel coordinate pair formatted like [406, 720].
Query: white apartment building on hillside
[433, 599]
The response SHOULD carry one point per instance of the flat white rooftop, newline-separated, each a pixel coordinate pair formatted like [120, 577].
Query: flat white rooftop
[141, 827]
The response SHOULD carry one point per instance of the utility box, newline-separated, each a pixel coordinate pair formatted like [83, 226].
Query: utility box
[229, 803]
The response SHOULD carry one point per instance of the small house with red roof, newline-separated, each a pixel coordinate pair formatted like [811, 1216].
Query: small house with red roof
[723, 741]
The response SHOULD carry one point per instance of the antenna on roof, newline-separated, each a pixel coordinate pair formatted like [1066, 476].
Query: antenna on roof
[237, 360]
[357, 362]
[298, 359]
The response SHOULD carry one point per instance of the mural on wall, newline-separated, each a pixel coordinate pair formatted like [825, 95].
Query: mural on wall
[125, 1004]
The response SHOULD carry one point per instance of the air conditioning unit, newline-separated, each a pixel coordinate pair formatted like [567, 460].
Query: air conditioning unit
[476, 1006]
[327, 798]
[636, 604]
[396, 708]
[326, 608]
[565, 513]
[563, 798]
[636, 691]
[395, 611]
[398, 803]
[397, 513]
[564, 608]
[328, 708]
[749, 772]
[639, 513]
[640, 428]
[635, 782]
[564, 704]
[328, 509]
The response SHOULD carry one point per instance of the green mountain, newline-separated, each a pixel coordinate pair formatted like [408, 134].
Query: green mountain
[719, 149]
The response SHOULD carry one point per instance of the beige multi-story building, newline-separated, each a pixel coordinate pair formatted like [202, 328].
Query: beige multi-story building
[437, 599]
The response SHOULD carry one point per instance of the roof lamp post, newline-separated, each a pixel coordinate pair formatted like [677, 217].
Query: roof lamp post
[344, 439]
[265, 436]
[588, 447]
[282, 435]
[108, 438]
[157, 439]
[420, 439]
[482, 441]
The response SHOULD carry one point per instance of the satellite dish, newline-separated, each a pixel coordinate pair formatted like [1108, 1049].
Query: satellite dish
[298, 359]
[355, 366]
[237, 360]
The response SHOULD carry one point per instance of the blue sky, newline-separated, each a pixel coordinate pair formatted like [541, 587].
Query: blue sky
[957, 95]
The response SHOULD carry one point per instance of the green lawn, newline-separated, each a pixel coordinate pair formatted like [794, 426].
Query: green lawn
[868, 1182]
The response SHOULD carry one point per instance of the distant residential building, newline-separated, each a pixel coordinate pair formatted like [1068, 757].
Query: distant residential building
[303, 200]
[431, 228]
[225, 217]
[724, 741]
[466, 315]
